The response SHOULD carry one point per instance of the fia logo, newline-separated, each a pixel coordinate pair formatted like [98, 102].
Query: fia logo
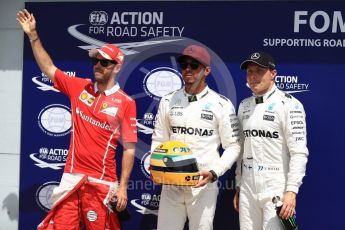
[98, 18]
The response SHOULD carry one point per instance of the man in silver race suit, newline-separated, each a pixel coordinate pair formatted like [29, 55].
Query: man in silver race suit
[274, 155]
[202, 119]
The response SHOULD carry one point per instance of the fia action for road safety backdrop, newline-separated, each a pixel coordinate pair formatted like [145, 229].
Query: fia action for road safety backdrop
[307, 39]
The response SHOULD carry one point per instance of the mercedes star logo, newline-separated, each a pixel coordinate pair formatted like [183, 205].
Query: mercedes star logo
[255, 56]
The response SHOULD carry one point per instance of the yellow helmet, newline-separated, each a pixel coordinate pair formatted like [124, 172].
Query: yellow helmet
[172, 162]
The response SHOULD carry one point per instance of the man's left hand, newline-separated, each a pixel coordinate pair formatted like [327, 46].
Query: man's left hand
[121, 199]
[206, 178]
[289, 205]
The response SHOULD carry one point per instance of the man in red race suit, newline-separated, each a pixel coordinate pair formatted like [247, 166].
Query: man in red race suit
[101, 114]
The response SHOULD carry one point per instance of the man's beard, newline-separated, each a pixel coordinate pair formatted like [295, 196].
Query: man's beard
[102, 79]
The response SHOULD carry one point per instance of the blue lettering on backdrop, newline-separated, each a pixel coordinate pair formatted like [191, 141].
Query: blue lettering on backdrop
[307, 41]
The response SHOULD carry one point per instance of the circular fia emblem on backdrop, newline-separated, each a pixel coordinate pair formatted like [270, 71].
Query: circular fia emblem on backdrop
[44, 193]
[145, 164]
[55, 120]
[161, 81]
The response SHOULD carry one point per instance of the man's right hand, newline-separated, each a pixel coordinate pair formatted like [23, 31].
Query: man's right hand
[236, 200]
[28, 23]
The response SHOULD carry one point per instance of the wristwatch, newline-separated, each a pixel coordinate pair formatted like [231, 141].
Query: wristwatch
[214, 176]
